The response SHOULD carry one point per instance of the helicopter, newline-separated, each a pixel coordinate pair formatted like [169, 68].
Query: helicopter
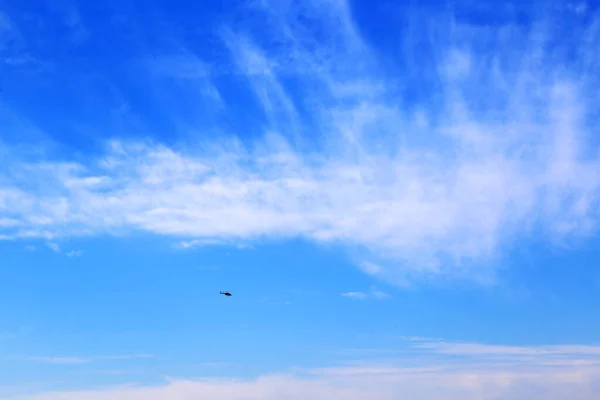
[225, 293]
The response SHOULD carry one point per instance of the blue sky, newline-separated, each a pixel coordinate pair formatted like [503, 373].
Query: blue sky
[403, 199]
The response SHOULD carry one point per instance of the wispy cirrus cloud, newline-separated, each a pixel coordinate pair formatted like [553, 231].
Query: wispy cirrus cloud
[372, 293]
[75, 253]
[187, 244]
[54, 247]
[80, 360]
[498, 145]
[355, 295]
[58, 360]
[418, 349]
[441, 347]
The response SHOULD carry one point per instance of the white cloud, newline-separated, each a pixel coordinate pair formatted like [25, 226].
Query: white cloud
[54, 247]
[438, 188]
[8, 222]
[82, 360]
[125, 357]
[58, 360]
[379, 295]
[355, 295]
[186, 244]
[186, 67]
[559, 374]
[419, 339]
[373, 293]
[481, 349]
[75, 253]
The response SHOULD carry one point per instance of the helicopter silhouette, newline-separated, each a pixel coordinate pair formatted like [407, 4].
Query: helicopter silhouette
[225, 293]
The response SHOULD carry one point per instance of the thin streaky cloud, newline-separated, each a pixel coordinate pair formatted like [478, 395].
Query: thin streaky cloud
[54, 247]
[482, 349]
[379, 295]
[445, 352]
[355, 295]
[188, 244]
[420, 339]
[58, 360]
[81, 360]
[124, 357]
[372, 293]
